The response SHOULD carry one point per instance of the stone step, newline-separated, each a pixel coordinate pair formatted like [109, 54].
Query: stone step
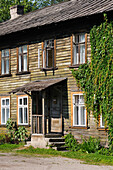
[56, 140]
[50, 135]
[28, 144]
[62, 148]
[57, 144]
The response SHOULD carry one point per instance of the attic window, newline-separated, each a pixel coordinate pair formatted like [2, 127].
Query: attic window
[49, 51]
[5, 62]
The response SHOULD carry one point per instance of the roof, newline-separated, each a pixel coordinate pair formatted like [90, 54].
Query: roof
[37, 85]
[56, 13]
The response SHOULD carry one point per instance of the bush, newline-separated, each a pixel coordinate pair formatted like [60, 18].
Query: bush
[91, 145]
[15, 134]
[2, 138]
[71, 142]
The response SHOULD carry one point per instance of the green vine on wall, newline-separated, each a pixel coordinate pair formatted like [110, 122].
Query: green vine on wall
[96, 78]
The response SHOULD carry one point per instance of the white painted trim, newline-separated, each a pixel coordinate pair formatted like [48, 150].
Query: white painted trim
[5, 106]
[22, 106]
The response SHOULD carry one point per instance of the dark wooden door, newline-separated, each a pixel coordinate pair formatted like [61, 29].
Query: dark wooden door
[55, 111]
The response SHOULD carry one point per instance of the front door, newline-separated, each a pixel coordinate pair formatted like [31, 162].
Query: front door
[55, 111]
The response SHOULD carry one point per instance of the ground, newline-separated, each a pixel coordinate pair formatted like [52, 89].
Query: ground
[11, 161]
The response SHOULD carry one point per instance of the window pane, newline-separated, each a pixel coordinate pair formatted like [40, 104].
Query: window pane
[77, 99]
[6, 53]
[82, 115]
[25, 62]
[3, 102]
[3, 63]
[103, 122]
[20, 63]
[3, 115]
[25, 49]
[25, 115]
[20, 101]
[76, 54]
[7, 66]
[20, 115]
[25, 101]
[20, 50]
[7, 101]
[7, 114]
[82, 38]
[3, 54]
[76, 120]
[81, 99]
[82, 53]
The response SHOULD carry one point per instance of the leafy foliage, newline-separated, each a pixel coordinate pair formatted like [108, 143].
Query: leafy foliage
[71, 142]
[16, 134]
[96, 78]
[90, 145]
[29, 5]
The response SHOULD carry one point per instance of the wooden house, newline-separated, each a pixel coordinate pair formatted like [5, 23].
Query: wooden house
[38, 50]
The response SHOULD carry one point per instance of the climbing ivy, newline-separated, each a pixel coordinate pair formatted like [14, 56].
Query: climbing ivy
[95, 78]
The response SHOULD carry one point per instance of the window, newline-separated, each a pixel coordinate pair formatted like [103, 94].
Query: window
[23, 110]
[5, 61]
[79, 110]
[5, 110]
[79, 49]
[102, 122]
[49, 53]
[23, 59]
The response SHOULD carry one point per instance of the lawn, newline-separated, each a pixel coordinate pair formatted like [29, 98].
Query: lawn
[90, 158]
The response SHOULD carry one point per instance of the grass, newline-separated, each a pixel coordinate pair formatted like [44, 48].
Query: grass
[10, 147]
[90, 158]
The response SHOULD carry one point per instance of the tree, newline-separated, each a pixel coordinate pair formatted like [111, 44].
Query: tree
[96, 78]
[29, 5]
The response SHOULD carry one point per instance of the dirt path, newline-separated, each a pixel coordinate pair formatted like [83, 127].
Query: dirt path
[16, 162]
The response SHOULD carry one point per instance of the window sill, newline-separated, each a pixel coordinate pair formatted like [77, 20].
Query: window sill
[102, 129]
[3, 125]
[49, 69]
[5, 75]
[25, 72]
[79, 127]
[24, 125]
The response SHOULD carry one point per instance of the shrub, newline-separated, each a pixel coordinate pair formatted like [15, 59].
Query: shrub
[15, 134]
[90, 145]
[2, 138]
[71, 142]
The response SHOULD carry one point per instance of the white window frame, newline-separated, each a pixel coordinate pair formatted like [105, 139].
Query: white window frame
[80, 105]
[22, 106]
[5, 107]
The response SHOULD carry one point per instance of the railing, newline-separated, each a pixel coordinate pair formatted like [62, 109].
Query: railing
[37, 124]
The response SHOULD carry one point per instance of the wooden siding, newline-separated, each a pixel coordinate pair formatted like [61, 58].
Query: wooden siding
[63, 61]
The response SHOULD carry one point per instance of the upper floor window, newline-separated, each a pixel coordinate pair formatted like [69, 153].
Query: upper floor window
[5, 110]
[23, 59]
[49, 54]
[79, 110]
[79, 48]
[5, 61]
[23, 110]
